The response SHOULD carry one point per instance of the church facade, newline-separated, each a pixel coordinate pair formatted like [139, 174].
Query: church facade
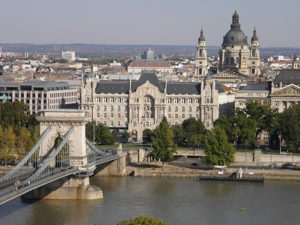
[236, 55]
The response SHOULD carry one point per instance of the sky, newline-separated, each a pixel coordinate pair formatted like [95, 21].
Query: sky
[157, 22]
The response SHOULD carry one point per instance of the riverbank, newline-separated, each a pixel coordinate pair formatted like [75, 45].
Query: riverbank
[181, 172]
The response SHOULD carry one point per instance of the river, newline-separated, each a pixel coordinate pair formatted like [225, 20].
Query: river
[177, 201]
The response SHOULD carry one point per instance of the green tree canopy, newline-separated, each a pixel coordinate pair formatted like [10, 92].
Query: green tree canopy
[194, 131]
[102, 134]
[239, 128]
[179, 136]
[162, 142]
[217, 149]
[141, 220]
[263, 114]
[289, 126]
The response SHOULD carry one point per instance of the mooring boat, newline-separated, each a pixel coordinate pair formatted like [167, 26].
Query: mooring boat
[238, 177]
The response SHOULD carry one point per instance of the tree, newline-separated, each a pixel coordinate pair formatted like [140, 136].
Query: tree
[239, 128]
[141, 220]
[263, 114]
[162, 142]
[8, 144]
[179, 136]
[147, 135]
[217, 149]
[24, 141]
[194, 131]
[89, 130]
[289, 126]
[103, 135]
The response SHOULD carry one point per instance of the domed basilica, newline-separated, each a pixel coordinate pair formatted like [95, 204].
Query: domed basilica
[236, 55]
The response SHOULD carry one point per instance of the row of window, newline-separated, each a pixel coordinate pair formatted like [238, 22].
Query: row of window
[112, 108]
[183, 100]
[107, 99]
[112, 115]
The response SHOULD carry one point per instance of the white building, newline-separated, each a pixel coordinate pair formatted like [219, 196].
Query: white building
[68, 55]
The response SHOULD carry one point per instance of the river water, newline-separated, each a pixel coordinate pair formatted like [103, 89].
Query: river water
[177, 201]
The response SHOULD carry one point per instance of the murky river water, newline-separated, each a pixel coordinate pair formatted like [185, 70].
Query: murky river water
[177, 201]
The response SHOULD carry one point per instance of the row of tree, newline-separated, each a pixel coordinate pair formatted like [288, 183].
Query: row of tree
[18, 131]
[217, 148]
[245, 126]
[100, 134]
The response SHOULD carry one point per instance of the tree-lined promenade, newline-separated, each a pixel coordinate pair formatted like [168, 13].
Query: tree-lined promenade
[19, 131]
[242, 128]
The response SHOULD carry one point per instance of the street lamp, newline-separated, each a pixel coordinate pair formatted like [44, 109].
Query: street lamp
[280, 136]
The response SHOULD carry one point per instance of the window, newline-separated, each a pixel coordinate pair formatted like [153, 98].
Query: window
[197, 100]
[190, 100]
[119, 123]
[169, 116]
[197, 116]
[105, 115]
[207, 109]
[182, 100]
[169, 109]
[147, 99]
[197, 109]
[183, 109]
[119, 108]
[98, 108]
[112, 99]
[169, 100]
[97, 99]
[134, 124]
[176, 116]
[176, 100]
[119, 115]
[98, 114]
[111, 115]
[190, 109]
[162, 100]
[111, 123]
[183, 116]
[112, 108]
[104, 99]
[176, 109]
[190, 115]
[105, 108]
[207, 100]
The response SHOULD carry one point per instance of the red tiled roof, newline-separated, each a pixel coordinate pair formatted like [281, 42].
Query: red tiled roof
[149, 64]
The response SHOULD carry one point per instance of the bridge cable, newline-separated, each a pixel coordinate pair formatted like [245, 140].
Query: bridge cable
[48, 161]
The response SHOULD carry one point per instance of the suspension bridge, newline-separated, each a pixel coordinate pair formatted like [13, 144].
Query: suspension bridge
[62, 153]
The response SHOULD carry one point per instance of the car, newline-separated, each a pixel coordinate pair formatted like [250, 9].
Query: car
[194, 164]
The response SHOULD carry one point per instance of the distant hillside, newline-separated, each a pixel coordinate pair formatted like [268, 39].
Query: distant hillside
[95, 50]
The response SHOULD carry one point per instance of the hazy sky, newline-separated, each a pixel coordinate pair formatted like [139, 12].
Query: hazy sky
[174, 22]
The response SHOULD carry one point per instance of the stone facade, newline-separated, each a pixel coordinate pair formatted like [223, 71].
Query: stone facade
[201, 57]
[139, 105]
[236, 54]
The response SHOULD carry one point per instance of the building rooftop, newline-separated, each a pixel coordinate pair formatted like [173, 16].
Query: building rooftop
[176, 88]
[265, 86]
[288, 76]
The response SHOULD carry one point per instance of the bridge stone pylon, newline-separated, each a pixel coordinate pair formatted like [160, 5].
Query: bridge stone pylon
[68, 124]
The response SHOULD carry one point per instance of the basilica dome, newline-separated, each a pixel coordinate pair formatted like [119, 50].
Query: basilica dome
[235, 35]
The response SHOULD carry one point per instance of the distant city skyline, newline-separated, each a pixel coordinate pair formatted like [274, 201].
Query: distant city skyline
[167, 22]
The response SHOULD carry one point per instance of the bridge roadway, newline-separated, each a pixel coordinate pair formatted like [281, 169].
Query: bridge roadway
[9, 191]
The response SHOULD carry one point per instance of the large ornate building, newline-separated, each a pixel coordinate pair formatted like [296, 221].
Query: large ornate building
[236, 54]
[139, 105]
[237, 58]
